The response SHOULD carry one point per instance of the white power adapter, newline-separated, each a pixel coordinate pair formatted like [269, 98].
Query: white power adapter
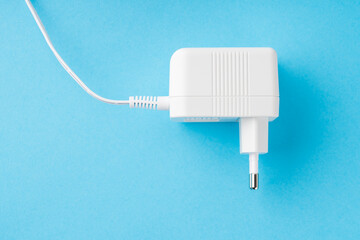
[228, 85]
[213, 85]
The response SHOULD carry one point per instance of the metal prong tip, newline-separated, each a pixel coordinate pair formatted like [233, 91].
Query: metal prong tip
[254, 181]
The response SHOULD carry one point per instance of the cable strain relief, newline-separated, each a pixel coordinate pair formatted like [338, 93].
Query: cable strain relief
[149, 102]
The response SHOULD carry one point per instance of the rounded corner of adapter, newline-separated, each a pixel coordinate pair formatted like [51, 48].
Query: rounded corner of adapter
[269, 51]
[177, 53]
[272, 50]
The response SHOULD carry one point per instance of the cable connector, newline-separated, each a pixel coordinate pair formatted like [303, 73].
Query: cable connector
[149, 102]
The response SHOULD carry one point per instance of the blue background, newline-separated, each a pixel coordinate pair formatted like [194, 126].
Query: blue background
[72, 167]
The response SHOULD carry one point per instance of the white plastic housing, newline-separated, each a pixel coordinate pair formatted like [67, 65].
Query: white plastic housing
[223, 84]
[228, 84]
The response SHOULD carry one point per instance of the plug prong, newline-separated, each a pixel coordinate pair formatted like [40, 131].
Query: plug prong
[254, 181]
[253, 170]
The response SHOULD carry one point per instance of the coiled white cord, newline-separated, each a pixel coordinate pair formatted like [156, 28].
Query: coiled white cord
[63, 63]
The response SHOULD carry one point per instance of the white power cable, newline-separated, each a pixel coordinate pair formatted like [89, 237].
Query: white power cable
[63, 63]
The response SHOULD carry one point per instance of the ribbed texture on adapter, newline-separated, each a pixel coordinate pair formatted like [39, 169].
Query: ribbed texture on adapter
[149, 102]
